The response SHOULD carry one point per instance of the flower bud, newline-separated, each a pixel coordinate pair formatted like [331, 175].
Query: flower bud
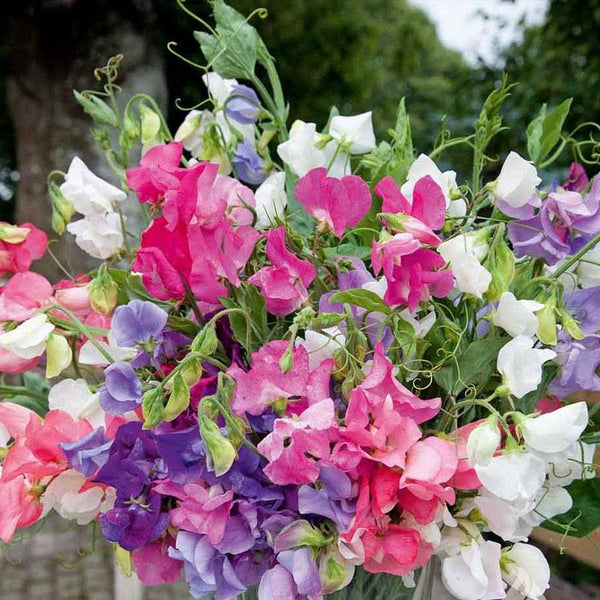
[206, 342]
[501, 264]
[547, 322]
[150, 126]
[179, 398]
[220, 451]
[571, 326]
[104, 293]
[13, 234]
[334, 570]
[58, 355]
[297, 534]
[483, 442]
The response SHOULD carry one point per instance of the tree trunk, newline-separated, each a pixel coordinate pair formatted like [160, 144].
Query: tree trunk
[54, 50]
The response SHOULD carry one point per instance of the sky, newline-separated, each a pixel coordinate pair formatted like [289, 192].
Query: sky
[459, 27]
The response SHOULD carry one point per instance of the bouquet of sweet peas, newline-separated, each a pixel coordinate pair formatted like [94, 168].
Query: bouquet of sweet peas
[322, 358]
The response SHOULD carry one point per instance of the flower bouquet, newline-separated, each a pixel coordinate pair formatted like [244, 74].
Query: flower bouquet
[324, 366]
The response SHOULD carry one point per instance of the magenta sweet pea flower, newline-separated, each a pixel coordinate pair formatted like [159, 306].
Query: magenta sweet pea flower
[284, 284]
[577, 178]
[339, 203]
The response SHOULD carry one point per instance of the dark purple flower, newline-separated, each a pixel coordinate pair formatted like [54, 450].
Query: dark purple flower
[243, 105]
[579, 360]
[88, 454]
[184, 455]
[576, 178]
[248, 165]
[122, 390]
[539, 237]
[138, 322]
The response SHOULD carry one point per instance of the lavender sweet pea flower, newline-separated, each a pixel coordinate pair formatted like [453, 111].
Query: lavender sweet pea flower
[579, 360]
[249, 166]
[303, 568]
[88, 454]
[243, 105]
[539, 237]
[522, 212]
[122, 390]
[586, 306]
[138, 322]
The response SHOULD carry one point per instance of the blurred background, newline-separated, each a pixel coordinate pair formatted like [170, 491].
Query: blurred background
[443, 56]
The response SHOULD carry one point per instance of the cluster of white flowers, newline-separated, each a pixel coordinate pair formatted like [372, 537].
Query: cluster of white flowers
[99, 233]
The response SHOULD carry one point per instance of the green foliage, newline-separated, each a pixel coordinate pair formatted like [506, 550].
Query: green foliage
[543, 133]
[362, 298]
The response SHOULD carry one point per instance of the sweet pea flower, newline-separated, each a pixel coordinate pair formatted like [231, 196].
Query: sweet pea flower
[526, 569]
[28, 340]
[23, 296]
[138, 322]
[423, 166]
[248, 165]
[218, 87]
[19, 506]
[88, 193]
[576, 462]
[243, 105]
[355, 132]
[555, 431]
[521, 364]
[154, 566]
[283, 284]
[122, 390]
[74, 397]
[321, 346]
[20, 246]
[338, 203]
[517, 181]
[577, 178]
[271, 200]
[483, 442]
[304, 151]
[191, 131]
[99, 235]
[517, 317]
[588, 270]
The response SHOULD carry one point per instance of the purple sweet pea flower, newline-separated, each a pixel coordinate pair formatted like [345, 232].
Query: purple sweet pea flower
[243, 105]
[303, 568]
[579, 360]
[539, 237]
[249, 166]
[277, 584]
[122, 390]
[577, 178]
[88, 454]
[581, 213]
[138, 322]
[522, 212]
[184, 455]
[585, 304]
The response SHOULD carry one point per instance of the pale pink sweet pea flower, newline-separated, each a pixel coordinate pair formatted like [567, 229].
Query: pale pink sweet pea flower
[338, 203]
[20, 507]
[23, 295]
[284, 284]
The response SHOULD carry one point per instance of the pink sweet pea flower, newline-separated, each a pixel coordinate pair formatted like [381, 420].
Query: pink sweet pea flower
[13, 364]
[295, 446]
[20, 506]
[380, 384]
[74, 296]
[23, 296]
[264, 384]
[18, 255]
[388, 254]
[158, 174]
[284, 284]
[339, 203]
[154, 566]
[465, 477]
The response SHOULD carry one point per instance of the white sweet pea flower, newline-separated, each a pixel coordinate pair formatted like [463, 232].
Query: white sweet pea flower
[424, 166]
[90, 355]
[483, 442]
[271, 200]
[470, 276]
[219, 88]
[321, 346]
[89, 194]
[473, 573]
[191, 130]
[473, 243]
[28, 340]
[74, 397]
[513, 476]
[355, 131]
[577, 462]
[64, 495]
[517, 181]
[421, 326]
[526, 569]
[517, 317]
[301, 154]
[551, 501]
[588, 270]
[502, 517]
[99, 236]
[521, 364]
[555, 431]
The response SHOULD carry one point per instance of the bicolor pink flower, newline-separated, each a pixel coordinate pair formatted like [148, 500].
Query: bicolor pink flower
[283, 284]
[13, 364]
[201, 509]
[339, 203]
[159, 172]
[23, 296]
[296, 445]
[153, 565]
[259, 388]
[15, 255]
[388, 254]
[74, 296]
[427, 212]
[380, 384]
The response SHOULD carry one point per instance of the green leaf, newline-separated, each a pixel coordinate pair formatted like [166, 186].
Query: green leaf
[250, 300]
[233, 51]
[100, 112]
[584, 516]
[134, 288]
[348, 249]
[474, 366]
[363, 298]
[543, 133]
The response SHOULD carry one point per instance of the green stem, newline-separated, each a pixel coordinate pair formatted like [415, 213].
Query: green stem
[19, 391]
[576, 257]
